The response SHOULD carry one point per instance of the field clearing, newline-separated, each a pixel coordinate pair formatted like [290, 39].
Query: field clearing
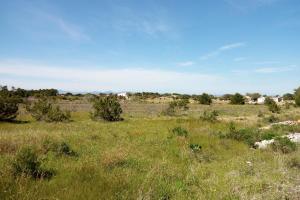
[140, 157]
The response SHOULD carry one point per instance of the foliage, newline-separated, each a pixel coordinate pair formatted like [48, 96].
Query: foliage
[177, 105]
[195, 147]
[8, 104]
[210, 116]
[27, 163]
[297, 96]
[60, 148]
[43, 110]
[254, 96]
[273, 107]
[271, 119]
[294, 162]
[107, 108]
[247, 135]
[179, 131]
[205, 99]
[237, 99]
[288, 96]
[284, 145]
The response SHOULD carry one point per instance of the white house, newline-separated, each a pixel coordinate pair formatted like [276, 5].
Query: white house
[123, 94]
[261, 100]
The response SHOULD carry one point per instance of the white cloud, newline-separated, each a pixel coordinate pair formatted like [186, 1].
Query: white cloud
[37, 75]
[186, 63]
[267, 70]
[222, 49]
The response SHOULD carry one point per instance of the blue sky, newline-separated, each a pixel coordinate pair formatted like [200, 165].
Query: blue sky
[215, 46]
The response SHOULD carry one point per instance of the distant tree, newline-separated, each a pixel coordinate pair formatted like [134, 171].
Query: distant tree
[8, 104]
[205, 99]
[273, 107]
[297, 96]
[107, 108]
[254, 96]
[288, 96]
[237, 99]
[226, 97]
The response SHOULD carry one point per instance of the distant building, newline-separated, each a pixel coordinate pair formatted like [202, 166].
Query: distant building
[261, 100]
[123, 94]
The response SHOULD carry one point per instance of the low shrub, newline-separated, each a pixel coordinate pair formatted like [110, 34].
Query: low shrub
[107, 108]
[294, 162]
[195, 147]
[60, 148]
[273, 107]
[210, 116]
[42, 110]
[27, 163]
[8, 108]
[176, 106]
[205, 99]
[179, 131]
[247, 135]
[237, 99]
[271, 119]
[284, 145]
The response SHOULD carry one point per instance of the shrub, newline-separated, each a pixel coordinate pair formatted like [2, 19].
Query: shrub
[247, 135]
[176, 106]
[42, 110]
[297, 96]
[27, 163]
[179, 131]
[271, 119]
[273, 107]
[210, 116]
[294, 162]
[61, 148]
[284, 145]
[288, 96]
[195, 147]
[204, 99]
[8, 104]
[237, 99]
[107, 108]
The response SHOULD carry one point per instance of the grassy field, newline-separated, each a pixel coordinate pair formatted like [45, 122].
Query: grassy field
[141, 158]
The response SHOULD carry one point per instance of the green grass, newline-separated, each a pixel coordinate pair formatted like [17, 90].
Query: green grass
[140, 158]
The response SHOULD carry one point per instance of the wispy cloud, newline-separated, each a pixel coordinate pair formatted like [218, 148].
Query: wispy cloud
[89, 79]
[222, 49]
[245, 5]
[268, 70]
[186, 63]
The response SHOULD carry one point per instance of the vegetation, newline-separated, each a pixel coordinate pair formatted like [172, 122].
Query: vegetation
[179, 131]
[210, 116]
[176, 106]
[273, 107]
[284, 145]
[297, 96]
[288, 96]
[254, 96]
[43, 110]
[205, 99]
[107, 108]
[237, 99]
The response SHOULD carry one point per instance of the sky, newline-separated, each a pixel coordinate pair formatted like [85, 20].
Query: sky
[192, 46]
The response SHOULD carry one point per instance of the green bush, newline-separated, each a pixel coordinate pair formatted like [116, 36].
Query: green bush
[176, 105]
[297, 96]
[59, 148]
[273, 107]
[284, 145]
[204, 99]
[195, 147]
[8, 104]
[237, 99]
[247, 135]
[107, 108]
[210, 116]
[42, 110]
[179, 131]
[27, 163]
[271, 119]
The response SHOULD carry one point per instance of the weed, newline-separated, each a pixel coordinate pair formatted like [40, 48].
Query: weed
[179, 131]
[284, 145]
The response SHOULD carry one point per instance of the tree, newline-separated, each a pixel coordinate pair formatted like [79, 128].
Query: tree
[204, 99]
[8, 104]
[226, 97]
[288, 96]
[254, 96]
[297, 96]
[237, 99]
[107, 108]
[273, 107]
